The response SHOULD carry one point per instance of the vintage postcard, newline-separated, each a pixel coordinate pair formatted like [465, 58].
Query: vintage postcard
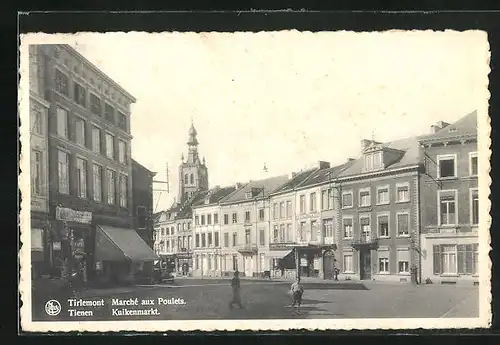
[254, 181]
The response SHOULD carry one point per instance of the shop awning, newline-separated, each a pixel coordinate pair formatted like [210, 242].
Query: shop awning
[119, 244]
[279, 254]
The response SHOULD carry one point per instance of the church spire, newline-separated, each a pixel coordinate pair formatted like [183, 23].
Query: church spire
[193, 141]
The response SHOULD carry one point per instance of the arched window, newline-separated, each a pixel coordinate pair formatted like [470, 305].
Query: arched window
[186, 179]
[192, 179]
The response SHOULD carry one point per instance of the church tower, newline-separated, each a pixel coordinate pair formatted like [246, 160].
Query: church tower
[193, 173]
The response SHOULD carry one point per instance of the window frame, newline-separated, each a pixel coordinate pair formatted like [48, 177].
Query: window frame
[344, 268]
[81, 119]
[83, 188]
[398, 251]
[66, 191]
[362, 190]
[399, 213]
[68, 82]
[351, 218]
[444, 191]
[302, 204]
[99, 129]
[66, 127]
[399, 185]
[123, 197]
[471, 205]
[100, 168]
[471, 156]
[91, 108]
[125, 156]
[107, 147]
[387, 267]
[351, 192]
[388, 215]
[77, 98]
[440, 158]
[313, 207]
[108, 169]
[379, 188]
[38, 167]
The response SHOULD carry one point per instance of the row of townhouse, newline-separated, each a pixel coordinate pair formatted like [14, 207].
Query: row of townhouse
[406, 210]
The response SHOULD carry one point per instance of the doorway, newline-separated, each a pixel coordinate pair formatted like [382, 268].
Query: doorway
[365, 267]
[329, 265]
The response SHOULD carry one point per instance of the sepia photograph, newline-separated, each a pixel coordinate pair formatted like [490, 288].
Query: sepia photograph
[254, 181]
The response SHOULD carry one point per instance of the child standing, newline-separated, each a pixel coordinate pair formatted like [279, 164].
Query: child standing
[235, 284]
[297, 292]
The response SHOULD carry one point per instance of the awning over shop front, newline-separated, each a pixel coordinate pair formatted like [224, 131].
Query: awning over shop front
[279, 254]
[119, 244]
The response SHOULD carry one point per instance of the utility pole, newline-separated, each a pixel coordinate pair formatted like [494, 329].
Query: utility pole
[167, 190]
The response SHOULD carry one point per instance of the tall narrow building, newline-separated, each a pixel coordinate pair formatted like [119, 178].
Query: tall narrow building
[193, 173]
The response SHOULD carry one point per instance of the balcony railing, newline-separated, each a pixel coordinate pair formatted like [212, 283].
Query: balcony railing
[365, 238]
[247, 248]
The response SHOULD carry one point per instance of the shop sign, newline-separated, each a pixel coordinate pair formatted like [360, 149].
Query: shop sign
[56, 245]
[278, 246]
[69, 215]
[303, 262]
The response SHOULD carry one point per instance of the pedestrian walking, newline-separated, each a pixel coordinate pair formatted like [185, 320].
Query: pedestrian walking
[335, 270]
[297, 291]
[235, 285]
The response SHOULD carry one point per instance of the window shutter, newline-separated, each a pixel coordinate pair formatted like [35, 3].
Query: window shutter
[461, 259]
[436, 251]
[469, 257]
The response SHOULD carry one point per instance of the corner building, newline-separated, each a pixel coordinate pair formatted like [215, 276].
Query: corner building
[450, 203]
[90, 169]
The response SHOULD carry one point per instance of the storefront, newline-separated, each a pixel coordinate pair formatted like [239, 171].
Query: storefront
[71, 245]
[184, 263]
[120, 255]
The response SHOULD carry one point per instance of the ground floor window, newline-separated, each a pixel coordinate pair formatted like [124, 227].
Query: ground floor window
[403, 261]
[197, 262]
[216, 262]
[383, 265]
[235, 262]
[455, 259]
[348, 267]
[262, 262]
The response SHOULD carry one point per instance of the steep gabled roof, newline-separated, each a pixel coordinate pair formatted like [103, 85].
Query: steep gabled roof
[465, 127]
[266, 186]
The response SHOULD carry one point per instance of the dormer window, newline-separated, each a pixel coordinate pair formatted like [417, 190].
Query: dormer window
[248, 195]
[373, 160]
[369, 162]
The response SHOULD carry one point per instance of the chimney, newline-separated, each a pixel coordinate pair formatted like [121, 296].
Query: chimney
[435, 129]
[237, 185]
[350, 159]
[439, 126]
[292, 175]
[323, 165]
[365, 143]
[442, 124]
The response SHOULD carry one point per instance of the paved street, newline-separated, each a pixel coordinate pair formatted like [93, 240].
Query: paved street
[208, 299]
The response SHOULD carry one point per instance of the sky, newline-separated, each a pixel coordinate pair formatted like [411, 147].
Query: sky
[284, 99]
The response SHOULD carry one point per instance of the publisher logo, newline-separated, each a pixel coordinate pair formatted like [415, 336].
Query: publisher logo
[52, 307]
